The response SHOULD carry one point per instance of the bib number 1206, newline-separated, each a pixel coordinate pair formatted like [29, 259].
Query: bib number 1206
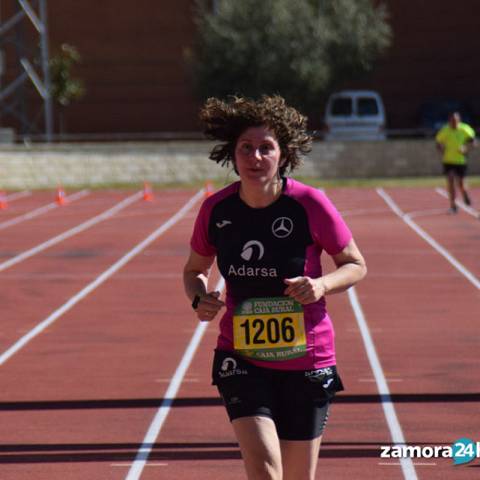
[270, 329]
[259, 331]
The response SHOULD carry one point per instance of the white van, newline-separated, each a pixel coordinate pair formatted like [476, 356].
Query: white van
[355, 115]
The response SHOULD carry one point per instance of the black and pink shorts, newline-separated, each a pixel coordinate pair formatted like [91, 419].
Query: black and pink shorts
[297, 401]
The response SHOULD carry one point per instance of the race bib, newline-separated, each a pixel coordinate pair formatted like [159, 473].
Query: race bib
[270, 329]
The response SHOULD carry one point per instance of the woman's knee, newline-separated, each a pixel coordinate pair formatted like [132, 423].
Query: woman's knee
[260, 447]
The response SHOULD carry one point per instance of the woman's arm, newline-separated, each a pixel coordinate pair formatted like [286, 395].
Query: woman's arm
[351, 268]
[195, 281]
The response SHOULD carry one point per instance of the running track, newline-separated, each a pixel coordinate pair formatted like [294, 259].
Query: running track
[100, 391]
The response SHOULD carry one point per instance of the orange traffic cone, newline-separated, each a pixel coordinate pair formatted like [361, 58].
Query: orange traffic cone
[208, 188]
[147, 192]
[60, 196]
[3, 200]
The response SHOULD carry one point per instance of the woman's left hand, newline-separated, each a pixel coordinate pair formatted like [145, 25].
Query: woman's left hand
[305, 289]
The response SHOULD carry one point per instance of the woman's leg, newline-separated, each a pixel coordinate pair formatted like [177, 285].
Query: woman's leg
[299, 458]
[260, 447]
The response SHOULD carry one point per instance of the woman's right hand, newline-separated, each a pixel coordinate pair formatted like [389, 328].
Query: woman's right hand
[208, 306]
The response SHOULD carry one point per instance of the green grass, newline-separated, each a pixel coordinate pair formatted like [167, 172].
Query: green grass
[407, 182]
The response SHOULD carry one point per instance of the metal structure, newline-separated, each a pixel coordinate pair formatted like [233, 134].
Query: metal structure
[24, 56]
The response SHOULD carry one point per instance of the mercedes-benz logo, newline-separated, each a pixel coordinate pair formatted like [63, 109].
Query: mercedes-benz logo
[282, 227]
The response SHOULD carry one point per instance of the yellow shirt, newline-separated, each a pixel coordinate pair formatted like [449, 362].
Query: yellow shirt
[453, 140]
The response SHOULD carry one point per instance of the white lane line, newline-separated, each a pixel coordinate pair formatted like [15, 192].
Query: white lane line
[396, 432]
[42, 210]
[363, 211]
[433, 243]
[70, 233]
[99, 280]
[15, 196]
[471, 211]
[427, 213]
[156, 425]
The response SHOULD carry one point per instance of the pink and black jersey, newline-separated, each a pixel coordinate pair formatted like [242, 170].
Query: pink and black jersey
[257, 248]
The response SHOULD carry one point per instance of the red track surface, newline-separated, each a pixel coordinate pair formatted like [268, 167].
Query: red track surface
[77, 400]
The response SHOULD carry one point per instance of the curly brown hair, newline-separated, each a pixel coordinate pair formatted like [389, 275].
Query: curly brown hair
[227, 120]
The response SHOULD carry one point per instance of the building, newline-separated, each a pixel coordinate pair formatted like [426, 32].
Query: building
[137, 82]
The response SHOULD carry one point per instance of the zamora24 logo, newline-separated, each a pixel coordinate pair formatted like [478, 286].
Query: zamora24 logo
[461, 451]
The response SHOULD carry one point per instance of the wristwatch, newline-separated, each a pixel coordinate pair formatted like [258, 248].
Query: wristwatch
[196, 300]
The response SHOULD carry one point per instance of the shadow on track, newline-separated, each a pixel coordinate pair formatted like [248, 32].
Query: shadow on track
[215, 402]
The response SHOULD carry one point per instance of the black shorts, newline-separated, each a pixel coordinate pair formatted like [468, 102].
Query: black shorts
[458, 170]
[297, 401]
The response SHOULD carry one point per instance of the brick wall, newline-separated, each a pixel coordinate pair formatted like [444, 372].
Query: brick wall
[433, 56]
[136, 79]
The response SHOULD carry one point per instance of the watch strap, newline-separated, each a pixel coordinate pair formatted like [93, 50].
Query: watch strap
[196, 301]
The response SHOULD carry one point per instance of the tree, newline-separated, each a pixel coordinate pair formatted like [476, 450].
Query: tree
[299, 49]
[64, 87]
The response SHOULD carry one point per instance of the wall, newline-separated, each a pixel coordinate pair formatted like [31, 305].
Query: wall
[136, 79]
[434, 44]
[165, 162]
[132, 63]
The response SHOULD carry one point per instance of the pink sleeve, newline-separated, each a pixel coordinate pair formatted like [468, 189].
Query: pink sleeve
[200, 242]
[328, 229]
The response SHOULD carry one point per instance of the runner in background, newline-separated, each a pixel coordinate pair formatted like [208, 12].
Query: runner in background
[274, 364]
[454, 141]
